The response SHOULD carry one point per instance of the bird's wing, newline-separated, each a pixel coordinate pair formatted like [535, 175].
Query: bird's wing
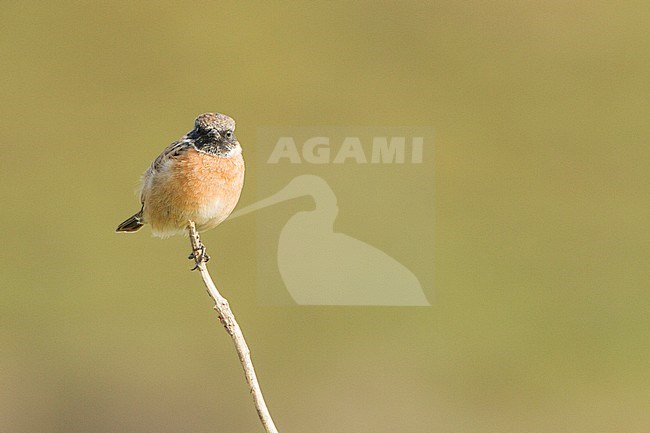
[173, 150]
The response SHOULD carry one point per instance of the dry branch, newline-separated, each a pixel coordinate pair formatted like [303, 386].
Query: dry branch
[232, 327]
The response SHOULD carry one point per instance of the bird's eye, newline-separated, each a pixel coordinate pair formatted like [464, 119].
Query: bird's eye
[228, 134]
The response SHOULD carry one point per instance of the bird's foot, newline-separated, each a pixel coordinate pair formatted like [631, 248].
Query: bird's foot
[199, 255]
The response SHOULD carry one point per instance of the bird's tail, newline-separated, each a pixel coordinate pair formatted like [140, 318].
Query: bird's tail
[132, 224]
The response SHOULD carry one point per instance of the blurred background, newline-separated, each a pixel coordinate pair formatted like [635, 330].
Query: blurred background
[529, 230]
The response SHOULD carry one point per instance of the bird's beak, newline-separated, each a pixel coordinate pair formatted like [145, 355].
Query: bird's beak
[214, 133]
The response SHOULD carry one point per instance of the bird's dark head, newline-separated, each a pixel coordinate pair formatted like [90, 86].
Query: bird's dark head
[215, 133]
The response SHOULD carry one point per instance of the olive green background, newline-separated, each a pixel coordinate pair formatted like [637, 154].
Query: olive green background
[539, 318]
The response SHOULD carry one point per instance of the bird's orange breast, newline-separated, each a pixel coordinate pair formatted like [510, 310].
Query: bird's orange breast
[195, 186]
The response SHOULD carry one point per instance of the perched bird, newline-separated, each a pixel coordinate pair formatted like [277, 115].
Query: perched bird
[197, 178]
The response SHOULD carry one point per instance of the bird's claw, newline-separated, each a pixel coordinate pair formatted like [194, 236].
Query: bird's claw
[199, 256]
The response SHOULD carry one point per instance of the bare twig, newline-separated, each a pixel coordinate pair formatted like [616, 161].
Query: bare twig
[232, 327]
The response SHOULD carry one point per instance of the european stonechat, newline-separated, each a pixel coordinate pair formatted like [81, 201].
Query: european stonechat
[197, 178]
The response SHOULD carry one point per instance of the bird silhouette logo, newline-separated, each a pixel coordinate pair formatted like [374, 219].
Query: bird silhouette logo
[322, 267]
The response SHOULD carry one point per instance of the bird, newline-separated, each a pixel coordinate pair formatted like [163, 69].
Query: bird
[198, 178]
